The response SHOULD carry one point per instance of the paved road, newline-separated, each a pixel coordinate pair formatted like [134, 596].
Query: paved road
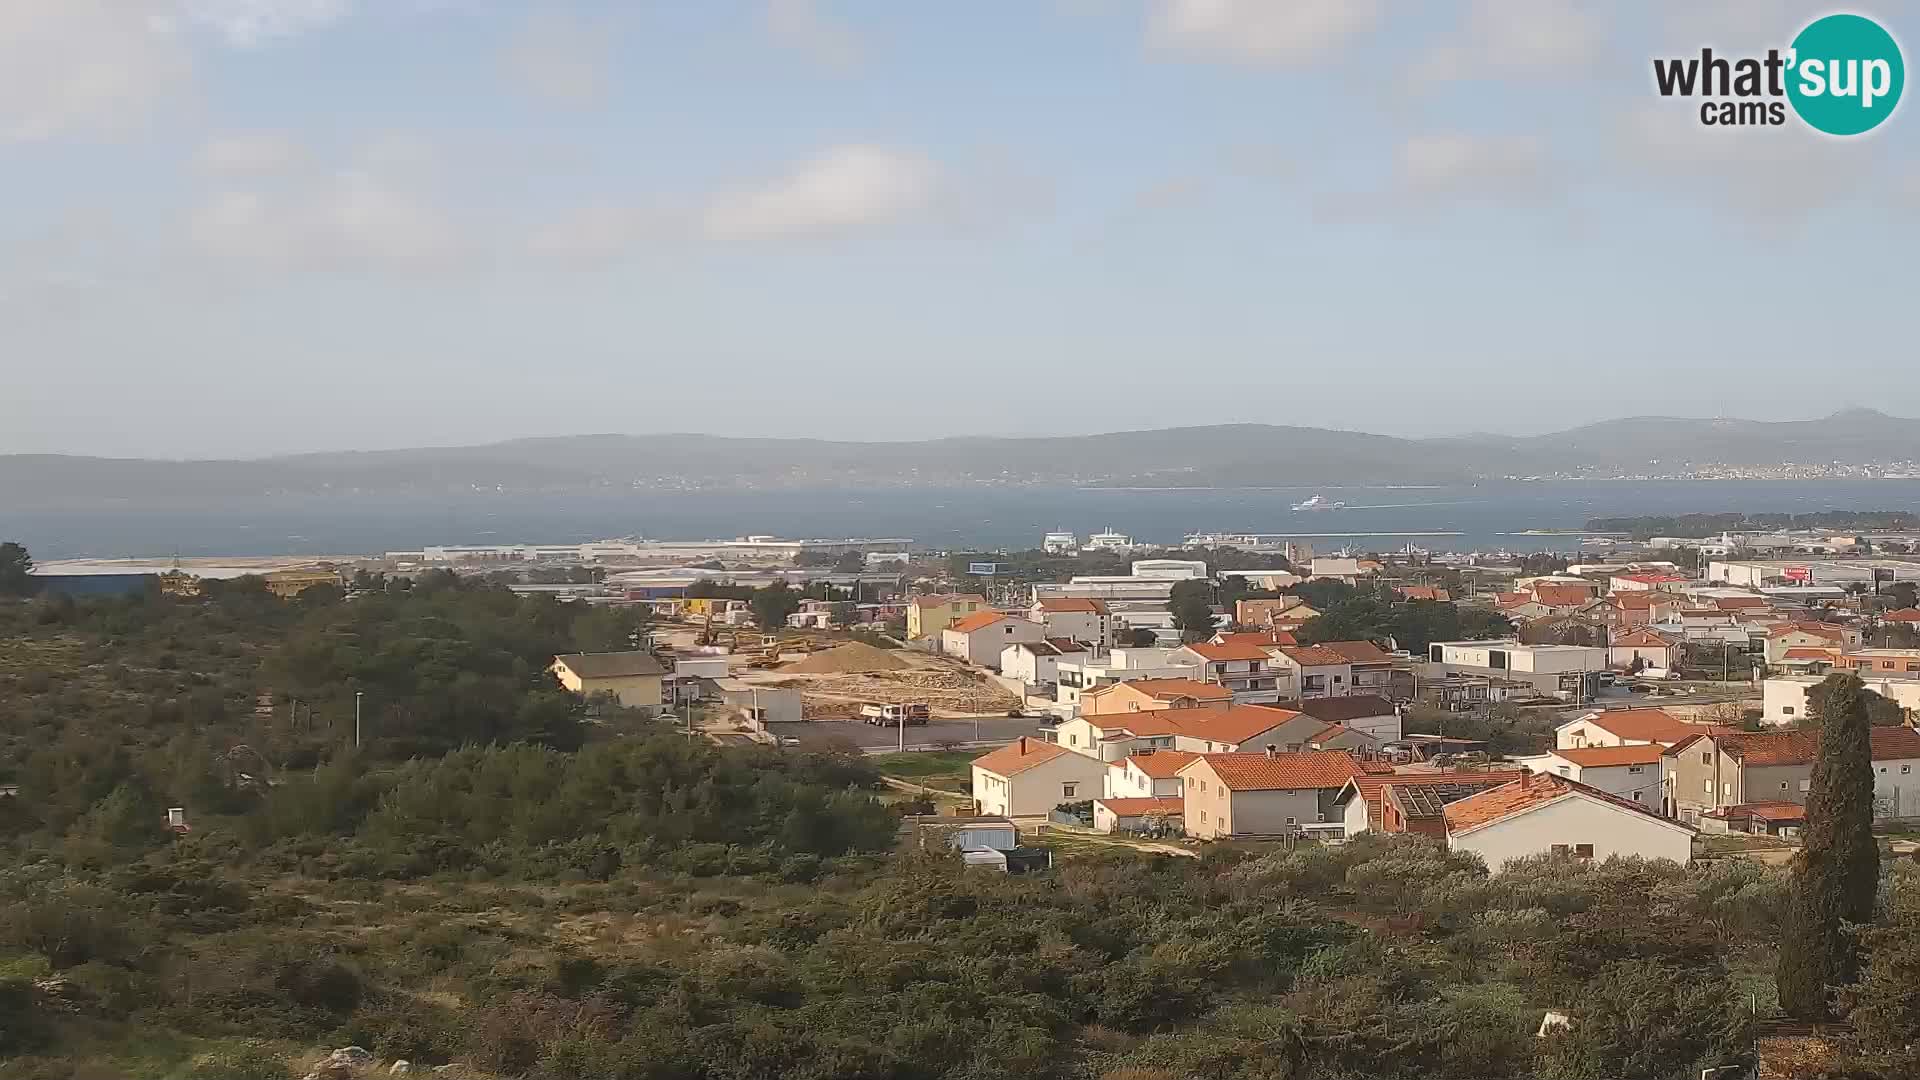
[991, 730]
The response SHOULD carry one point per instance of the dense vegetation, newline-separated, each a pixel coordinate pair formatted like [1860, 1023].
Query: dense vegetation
[496, 881]
[1350, 614]
[1702, 525]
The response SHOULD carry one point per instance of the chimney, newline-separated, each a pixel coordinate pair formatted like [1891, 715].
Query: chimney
[1272, 751]
[1023, 745]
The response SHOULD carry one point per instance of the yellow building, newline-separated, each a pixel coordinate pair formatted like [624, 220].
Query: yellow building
[632, 677]
[927, 616]
[288, 584]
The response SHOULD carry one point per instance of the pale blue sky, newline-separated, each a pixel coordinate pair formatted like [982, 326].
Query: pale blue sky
[237, 227]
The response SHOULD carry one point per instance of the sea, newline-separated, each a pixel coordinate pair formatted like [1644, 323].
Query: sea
[1506, 516]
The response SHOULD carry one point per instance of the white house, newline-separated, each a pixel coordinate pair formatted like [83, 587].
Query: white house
[1643, 645]
[1242, 667]
[1075, 619]
[1169, 569]
[1146, 774]
[1028, 778]
[1631, 772]
[1624, 727]
[1037, 663]
[1546, 813]
[1120, 665]
[1783, 698]
[1312, 671]
[981, 637]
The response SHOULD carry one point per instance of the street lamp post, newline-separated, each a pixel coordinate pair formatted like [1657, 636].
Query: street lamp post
[357, 695]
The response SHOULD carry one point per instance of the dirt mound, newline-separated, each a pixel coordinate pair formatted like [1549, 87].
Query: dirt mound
[847, 659]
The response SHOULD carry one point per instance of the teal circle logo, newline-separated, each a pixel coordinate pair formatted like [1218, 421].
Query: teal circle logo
[1845, 74]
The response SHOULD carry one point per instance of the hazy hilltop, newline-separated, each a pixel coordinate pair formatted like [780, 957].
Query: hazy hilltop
[1226, 455]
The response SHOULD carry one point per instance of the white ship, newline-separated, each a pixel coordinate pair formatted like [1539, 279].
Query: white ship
[1318, 502]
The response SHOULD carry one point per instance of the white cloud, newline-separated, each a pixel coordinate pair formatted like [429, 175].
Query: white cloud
[800, 24]
[249, 153]
[560, 58]
[1504, 38]
[377, 211]
[1765, 174]
[248, 23]
[82, 65]
[1278, 32]
[844, 187]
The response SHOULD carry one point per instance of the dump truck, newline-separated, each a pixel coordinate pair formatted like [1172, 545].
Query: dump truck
[894, 715]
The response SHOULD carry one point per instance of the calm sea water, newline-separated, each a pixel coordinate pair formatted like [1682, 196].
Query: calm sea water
[1484, 517]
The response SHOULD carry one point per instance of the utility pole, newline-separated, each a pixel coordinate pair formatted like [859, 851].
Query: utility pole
[357, 695]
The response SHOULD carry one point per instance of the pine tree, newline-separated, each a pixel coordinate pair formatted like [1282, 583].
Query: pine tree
[1838, 869]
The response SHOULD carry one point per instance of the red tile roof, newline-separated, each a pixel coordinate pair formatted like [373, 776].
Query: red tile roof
[1018, 756]
[1903, 615]
[1280, 772]
[1765, 811]
[1765, 748]
[1641, 639]
[1370, 786]
[1639, 599]
[1589, 757]
[1168, 689]
[1808, 652]
[1562, 595]
[1527, 793]
[1160, 764]
[1424, 592]
[1209, 651]
[1236, 724]
[1738, 603]
[1172, 806]
[979, 620]
[1359, 652]
[1653, 579]
[1313, 655]
[1651, 725]
[1512, 599]
[1064, 605]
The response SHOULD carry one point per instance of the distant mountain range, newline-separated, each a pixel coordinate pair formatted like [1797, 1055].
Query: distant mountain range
[1225, 455]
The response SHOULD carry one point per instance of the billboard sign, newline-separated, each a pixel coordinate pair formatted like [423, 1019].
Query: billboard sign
[987, 568]
[1802, 574]
[1882, 574]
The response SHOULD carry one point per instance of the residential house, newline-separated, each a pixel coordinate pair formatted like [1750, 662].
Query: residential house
[633, 677]
[1146, 774]
[1642, 648]
[1119, 665]
[1521, 607]
[1804, 661]
[1631, 771]
[1338, 568]
[1818, 635]
[1562, 597]
[1028, 778]
[1265, 613]
[1433, 593]
[1153, 816]
[1732, 768]
[927, 616]
[1371, 669]
[981, 637]
[1259, 638]
[1882, 663]
[1624, 609]
[1148, 695]
[1624, 727]
[287, 584]
[1902, 617]
[1620, 583]
[1567, 671]
[1263, 794]
[1311, 671]
[1075, 619]
[1547, 813]
[1239, 728]
[1368, 714]
[1037, 663]
[1245, 669]
[1369, 804]
[1783, 698]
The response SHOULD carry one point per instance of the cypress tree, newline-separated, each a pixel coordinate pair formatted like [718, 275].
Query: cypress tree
[1838, 869]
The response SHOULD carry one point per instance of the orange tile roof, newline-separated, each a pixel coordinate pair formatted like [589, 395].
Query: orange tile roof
[1369, 786]
[1160, 764]
[1737, 603]
[1018, 756]
[1168, 689]
[1209, 651]
[1359, 652]
[1257, 638]
[1641, 639]
[1652, 725]
[1562, 595]
[1641, 599]
[1424, 592]
[1775, 810]
[1765, 748]
[1280, 772]
[1064, 605]
[1525, 794]
[1512, 599]
[979, 620]
[1171, 805]
[1653, 579]
[1235, 724]
[1902, 615]
[1808, 652]
[1312, 655]
[1588, 757]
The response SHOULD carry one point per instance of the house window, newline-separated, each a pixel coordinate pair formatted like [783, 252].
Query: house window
[1806, 785]
[1203, 816]
[1783, 785]
[1636, 768]
[1559, 849]
[1073, 740]
[1221, 794]
[1706, 786]
[1067, 790]
[1786, 710]
[1727, 788]
[1583, 851]
[1706, 757]
[1289, 821]
[1564, 770]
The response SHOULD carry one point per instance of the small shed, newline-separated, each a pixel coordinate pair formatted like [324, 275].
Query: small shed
[762, 704]
[961, 832]
[1020, 860]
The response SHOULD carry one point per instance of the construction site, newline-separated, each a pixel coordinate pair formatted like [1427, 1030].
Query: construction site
[835, 681]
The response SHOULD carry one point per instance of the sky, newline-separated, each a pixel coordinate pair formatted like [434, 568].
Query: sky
[249, 227]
